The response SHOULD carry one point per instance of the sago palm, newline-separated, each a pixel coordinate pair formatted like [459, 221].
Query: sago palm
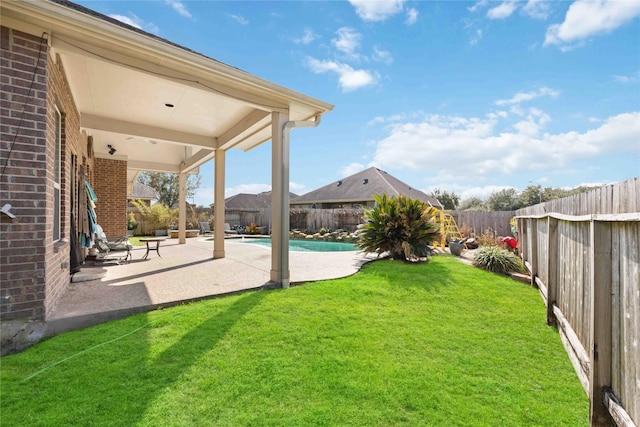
[400, 226]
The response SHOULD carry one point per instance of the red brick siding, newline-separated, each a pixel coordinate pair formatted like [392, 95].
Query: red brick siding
[73, 142]
[23, 183]
[34, 269]
[111, 189]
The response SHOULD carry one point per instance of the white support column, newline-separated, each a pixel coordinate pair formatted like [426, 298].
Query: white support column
[218, 208]
[280, 200]
[182, 208]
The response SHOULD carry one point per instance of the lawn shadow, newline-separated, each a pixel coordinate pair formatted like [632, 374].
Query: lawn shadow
[115, 382]
[431, 276]
[164, 370]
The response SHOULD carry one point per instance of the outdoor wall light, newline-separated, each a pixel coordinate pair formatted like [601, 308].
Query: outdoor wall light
[111, 149]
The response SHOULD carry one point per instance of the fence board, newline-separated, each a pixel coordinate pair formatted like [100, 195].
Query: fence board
[629, 235]
[477, 222]
[570, 261]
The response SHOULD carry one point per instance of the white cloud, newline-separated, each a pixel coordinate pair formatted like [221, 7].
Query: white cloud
[478, 6]
[375, 121]
[476, 37]
[349, 78]
[296, 188]
[382, 55]
[240, 19]
[586, 18]
[482, 193]
[307, 37]
[350, 169]
[521, 97]
[634, 78]
[538, 9]
[247, 189]
[472, 148]
[179, 7]
[502, 11]
[134, 21]
[204, 196]
[347, 41]
[412, 16]
[378, 10]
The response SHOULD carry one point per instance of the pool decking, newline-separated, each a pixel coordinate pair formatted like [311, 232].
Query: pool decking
[185, 273]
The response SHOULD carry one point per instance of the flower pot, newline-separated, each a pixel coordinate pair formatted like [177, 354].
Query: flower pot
[456, 248]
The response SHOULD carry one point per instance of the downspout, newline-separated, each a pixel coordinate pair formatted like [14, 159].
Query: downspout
[284, 200]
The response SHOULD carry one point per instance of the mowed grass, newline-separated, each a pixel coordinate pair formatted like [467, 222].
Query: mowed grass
[440, 344]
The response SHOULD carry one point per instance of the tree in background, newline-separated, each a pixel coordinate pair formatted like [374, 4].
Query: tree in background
[509, 199]
[504, 200]
[472, 204]
[532, 195]
[448, 200]
[167, 186]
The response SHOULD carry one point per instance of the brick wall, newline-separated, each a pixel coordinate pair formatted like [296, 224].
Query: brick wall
[110, 187]
[34, 269]
[23, 184]
[74, 142]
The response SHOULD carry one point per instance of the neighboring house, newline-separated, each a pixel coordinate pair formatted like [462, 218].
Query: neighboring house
[145, 195]
[358, 190]
[88, 102]
[142, 192]
[247, 202]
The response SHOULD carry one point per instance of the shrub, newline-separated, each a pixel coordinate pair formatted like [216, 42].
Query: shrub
[160, 216]
[251, 229]
[498, 260]
[132, 224]
[401, 226]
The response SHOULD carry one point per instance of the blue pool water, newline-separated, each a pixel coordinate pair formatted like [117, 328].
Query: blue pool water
[308, 245]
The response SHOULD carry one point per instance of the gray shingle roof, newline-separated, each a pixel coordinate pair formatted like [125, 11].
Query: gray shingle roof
[250, 201]
[361, 187]
[141, 191]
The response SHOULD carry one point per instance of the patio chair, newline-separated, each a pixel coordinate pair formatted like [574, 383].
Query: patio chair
[204, 228]
[229, 230]
[118, 250]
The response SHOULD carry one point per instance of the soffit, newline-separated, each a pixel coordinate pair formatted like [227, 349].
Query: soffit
[121, 80]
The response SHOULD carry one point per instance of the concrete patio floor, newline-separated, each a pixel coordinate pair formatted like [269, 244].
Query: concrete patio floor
[184, 273]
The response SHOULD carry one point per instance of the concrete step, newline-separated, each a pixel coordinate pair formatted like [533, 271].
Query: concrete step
[87, 274]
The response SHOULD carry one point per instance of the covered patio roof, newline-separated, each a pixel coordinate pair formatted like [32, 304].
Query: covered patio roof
[161, 106]
[165, 108]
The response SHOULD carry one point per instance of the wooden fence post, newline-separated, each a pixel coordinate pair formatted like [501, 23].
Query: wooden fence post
[600, 351]
[533, 251]
[552, 270]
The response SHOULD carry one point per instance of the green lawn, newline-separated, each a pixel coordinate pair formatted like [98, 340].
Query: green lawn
[440, 344]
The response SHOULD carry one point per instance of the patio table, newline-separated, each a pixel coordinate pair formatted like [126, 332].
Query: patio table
[148, 240]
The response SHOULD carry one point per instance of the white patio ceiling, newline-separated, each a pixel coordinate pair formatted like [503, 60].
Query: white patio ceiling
[123, 80]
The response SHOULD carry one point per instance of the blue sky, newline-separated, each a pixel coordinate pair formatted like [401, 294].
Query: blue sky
[469, 97]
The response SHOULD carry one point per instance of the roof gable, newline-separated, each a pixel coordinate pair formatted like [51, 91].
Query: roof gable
[361, 187]
[142, 191]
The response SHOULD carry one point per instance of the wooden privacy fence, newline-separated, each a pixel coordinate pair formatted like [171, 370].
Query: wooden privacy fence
[478, 222]
[300, 219]
[587, 268]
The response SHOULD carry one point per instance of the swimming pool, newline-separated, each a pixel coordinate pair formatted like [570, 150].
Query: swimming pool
[308, 245]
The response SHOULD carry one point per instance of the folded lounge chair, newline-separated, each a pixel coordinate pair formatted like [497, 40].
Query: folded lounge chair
[204, 228]
[229, 230]
[118, 250]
